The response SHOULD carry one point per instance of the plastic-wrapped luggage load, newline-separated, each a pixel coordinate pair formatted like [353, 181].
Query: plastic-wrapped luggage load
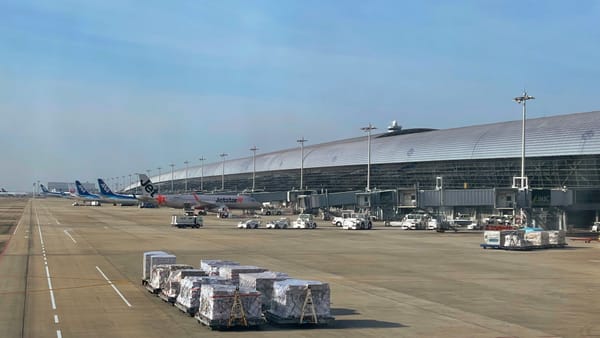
[173, 285]
[263, 283]
[290, 298]
[146, 264]
[556, 237]
[188, 299]
[514, 239]
[160, 274]
[217, 304]
[233, 271]
[211, 266]
[537, 238]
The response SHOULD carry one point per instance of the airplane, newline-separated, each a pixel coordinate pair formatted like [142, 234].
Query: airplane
[195, 201]
[46, 192]
[107, 193]
[83, 195]
[3, 192]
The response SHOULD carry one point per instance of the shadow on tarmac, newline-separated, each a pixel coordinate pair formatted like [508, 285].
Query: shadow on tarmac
[337, 324]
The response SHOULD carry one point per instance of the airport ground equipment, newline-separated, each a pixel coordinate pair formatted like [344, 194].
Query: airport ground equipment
[281, 223]
[305, 221]
[152, 258]
[585, 239]
[249, 224]
[172, 287]
[339, 220]
[357, 222]
[187, 221]
[224, 307]
[300, 302]
[523, 240]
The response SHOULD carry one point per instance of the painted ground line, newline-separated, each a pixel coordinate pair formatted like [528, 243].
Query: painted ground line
[55, 319]
[113, 286]
[58, 334]
[68, 234]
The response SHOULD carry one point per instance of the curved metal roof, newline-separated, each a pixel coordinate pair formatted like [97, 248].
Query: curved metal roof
[572, 134]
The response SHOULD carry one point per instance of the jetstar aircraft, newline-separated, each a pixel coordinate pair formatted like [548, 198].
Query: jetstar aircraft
[194, 200]
[46, 192]
[107, 193]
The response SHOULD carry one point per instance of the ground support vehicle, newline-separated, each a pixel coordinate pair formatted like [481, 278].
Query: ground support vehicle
[596, 227]
[249, 224]
[339, 220]
[282, 223]
[357, 223]
[270, 211]
[187, 221]
[305, 221]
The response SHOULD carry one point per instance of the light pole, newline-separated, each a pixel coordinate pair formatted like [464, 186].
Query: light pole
[171, 165]
[368, 129]
[186, 174]
[130, 181]
[253, 149]
[301, 141]
[524, 184]
[223, 155]
[123, 187]
[201, 159]
[158, 183]
[523, 100]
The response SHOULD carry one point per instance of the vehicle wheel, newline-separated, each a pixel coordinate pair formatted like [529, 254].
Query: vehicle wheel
[369, 226]
[268, 213]
[338, 224]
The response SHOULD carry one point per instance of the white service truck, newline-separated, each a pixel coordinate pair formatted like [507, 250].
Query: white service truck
[187, 221]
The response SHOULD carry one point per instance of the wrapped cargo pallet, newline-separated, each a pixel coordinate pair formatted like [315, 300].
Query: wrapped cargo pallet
[189, 292]
[232, 272]
[537, 238]
[263, 283]
[173, 284]
[216, 303]
[513, 239]
[556, 237]
[160, 274]
[211, 266]
[289, 298]
[146, 266]
[492, 238]
[161, 259]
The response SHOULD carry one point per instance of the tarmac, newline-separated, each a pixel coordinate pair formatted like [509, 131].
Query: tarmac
[71, 271]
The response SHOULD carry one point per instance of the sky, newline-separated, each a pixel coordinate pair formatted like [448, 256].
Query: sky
[94, 89]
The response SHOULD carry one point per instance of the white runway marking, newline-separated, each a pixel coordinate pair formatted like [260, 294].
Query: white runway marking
[68, 234]
[113, 286]
[52, 300]
[17, 228]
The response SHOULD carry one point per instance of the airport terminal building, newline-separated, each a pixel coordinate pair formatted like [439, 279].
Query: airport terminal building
[469, 169]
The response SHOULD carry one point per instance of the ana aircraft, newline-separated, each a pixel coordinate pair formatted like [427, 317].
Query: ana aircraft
[81, 193]
[107, 193]
[47, 193]
[194, 200]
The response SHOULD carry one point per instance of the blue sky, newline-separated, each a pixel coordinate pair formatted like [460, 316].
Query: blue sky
[107, 88]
